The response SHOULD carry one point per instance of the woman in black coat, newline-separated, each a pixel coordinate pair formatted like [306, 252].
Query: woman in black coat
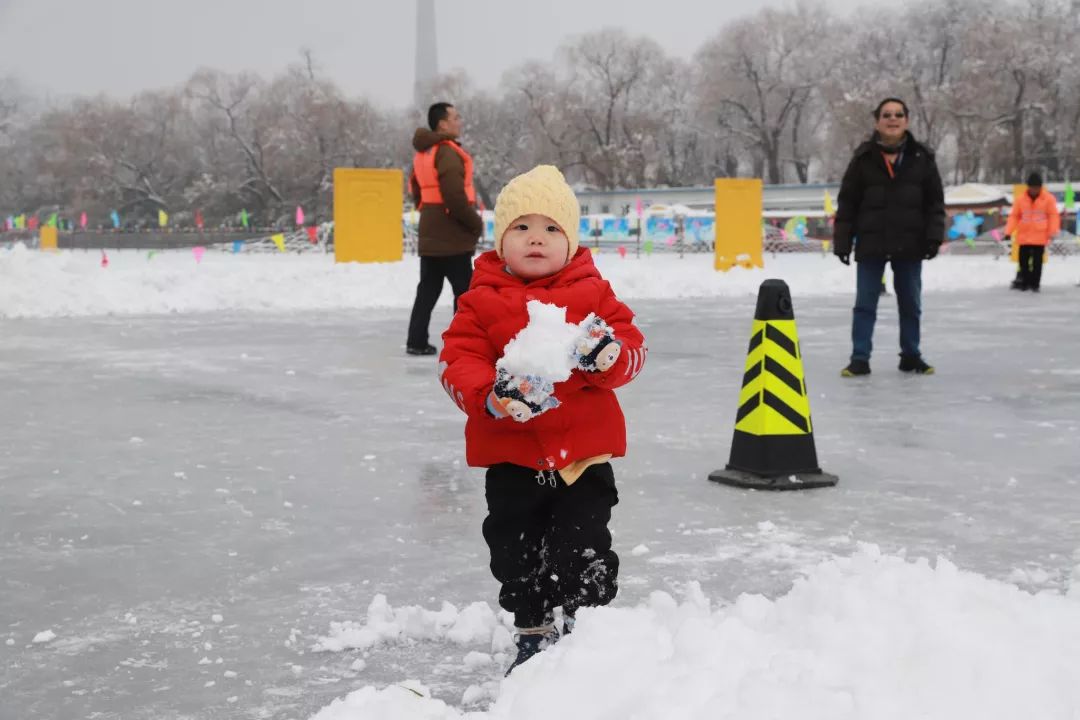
[891, 209]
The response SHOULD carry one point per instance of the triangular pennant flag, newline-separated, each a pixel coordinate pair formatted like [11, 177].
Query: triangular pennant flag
[244, 218]
[52, 220]
[830, 209]
[32, 223]
[20, 222]
[82, 220]
[279, 240]
[1070, 197]
[115, 217]
[198, 251]
[198, 219]
[313, 234]
[237, 245]
[299, 216]
[162, 218]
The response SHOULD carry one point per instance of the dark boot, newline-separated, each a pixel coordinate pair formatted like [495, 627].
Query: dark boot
[916, 365]
[425, 350]
[533, 643]
[856, 368]
[568, 620]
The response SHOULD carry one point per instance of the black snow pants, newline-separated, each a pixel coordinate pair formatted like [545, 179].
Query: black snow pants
[550, 544]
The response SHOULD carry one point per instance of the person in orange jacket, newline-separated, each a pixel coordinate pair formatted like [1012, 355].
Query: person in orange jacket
[1035, 220]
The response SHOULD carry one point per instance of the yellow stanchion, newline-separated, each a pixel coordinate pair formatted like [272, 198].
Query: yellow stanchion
[367, 215]
[738, 223]
[47, 238]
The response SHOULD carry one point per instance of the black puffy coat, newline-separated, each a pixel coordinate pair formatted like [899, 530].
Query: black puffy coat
[901, 217]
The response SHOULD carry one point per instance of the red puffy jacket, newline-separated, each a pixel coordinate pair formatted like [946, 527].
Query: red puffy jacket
[588, 421]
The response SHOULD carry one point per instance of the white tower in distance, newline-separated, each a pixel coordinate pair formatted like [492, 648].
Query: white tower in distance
[427, 55]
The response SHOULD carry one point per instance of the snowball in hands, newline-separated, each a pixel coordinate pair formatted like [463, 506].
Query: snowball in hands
[539, 356]
[545, 347]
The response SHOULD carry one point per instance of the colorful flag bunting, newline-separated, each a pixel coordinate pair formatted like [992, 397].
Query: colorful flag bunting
[279, 240]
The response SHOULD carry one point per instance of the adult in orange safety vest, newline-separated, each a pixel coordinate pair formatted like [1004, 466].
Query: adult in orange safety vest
[450, 226]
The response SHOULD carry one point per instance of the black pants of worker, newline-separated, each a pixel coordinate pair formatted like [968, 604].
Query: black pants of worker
[1031, 262]
[433, 270]
[550, 544]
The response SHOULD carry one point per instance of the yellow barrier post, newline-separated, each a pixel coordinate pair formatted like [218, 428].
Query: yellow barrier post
[1014, 251]
[47, 238]
[367, 215]
[738, 223]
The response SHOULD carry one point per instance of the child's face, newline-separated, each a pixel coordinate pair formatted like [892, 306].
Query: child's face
[534, 247]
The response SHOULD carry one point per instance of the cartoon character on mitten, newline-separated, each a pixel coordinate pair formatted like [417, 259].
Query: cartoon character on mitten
[520, 398]
[597, 350]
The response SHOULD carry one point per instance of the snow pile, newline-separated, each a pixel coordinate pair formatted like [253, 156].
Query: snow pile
[73, 283]
[865, 637]
[544, 347]
[474, 624]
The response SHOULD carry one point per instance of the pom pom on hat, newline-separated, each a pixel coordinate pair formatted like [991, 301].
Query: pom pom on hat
[542, 190]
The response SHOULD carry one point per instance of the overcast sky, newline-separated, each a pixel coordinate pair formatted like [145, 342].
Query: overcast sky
[64, 47]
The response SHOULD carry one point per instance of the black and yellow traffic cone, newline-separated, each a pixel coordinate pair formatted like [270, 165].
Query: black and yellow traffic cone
[773, 447]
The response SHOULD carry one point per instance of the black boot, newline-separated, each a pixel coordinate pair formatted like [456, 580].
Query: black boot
[915, 364]
[532, 643]
[568, 619]
[420, 350]
[856, 368]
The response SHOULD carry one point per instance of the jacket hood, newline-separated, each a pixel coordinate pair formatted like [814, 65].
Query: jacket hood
[424, 139]
[490, 271]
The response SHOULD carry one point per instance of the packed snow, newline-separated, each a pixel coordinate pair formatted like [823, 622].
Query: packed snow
[870, 636]
[545, 346]
[73, 283]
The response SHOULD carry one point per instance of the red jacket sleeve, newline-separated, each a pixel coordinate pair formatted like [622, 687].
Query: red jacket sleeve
[467, 360]
[634, 350]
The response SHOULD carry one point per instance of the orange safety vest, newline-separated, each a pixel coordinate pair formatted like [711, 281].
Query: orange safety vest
[427, 177]
[1035, 222]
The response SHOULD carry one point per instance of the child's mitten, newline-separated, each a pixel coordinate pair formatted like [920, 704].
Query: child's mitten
[597, 349]
[521, 398]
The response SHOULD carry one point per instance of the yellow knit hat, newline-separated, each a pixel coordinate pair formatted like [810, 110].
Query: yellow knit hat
[542, 190]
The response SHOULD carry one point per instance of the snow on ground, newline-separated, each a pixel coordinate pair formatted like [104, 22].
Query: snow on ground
[870, 636]
[74, 283]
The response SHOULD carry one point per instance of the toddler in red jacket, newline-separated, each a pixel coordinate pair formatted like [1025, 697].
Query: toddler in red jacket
[546, 439]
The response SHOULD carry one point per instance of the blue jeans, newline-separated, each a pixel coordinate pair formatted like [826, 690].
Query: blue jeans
[907, 281]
